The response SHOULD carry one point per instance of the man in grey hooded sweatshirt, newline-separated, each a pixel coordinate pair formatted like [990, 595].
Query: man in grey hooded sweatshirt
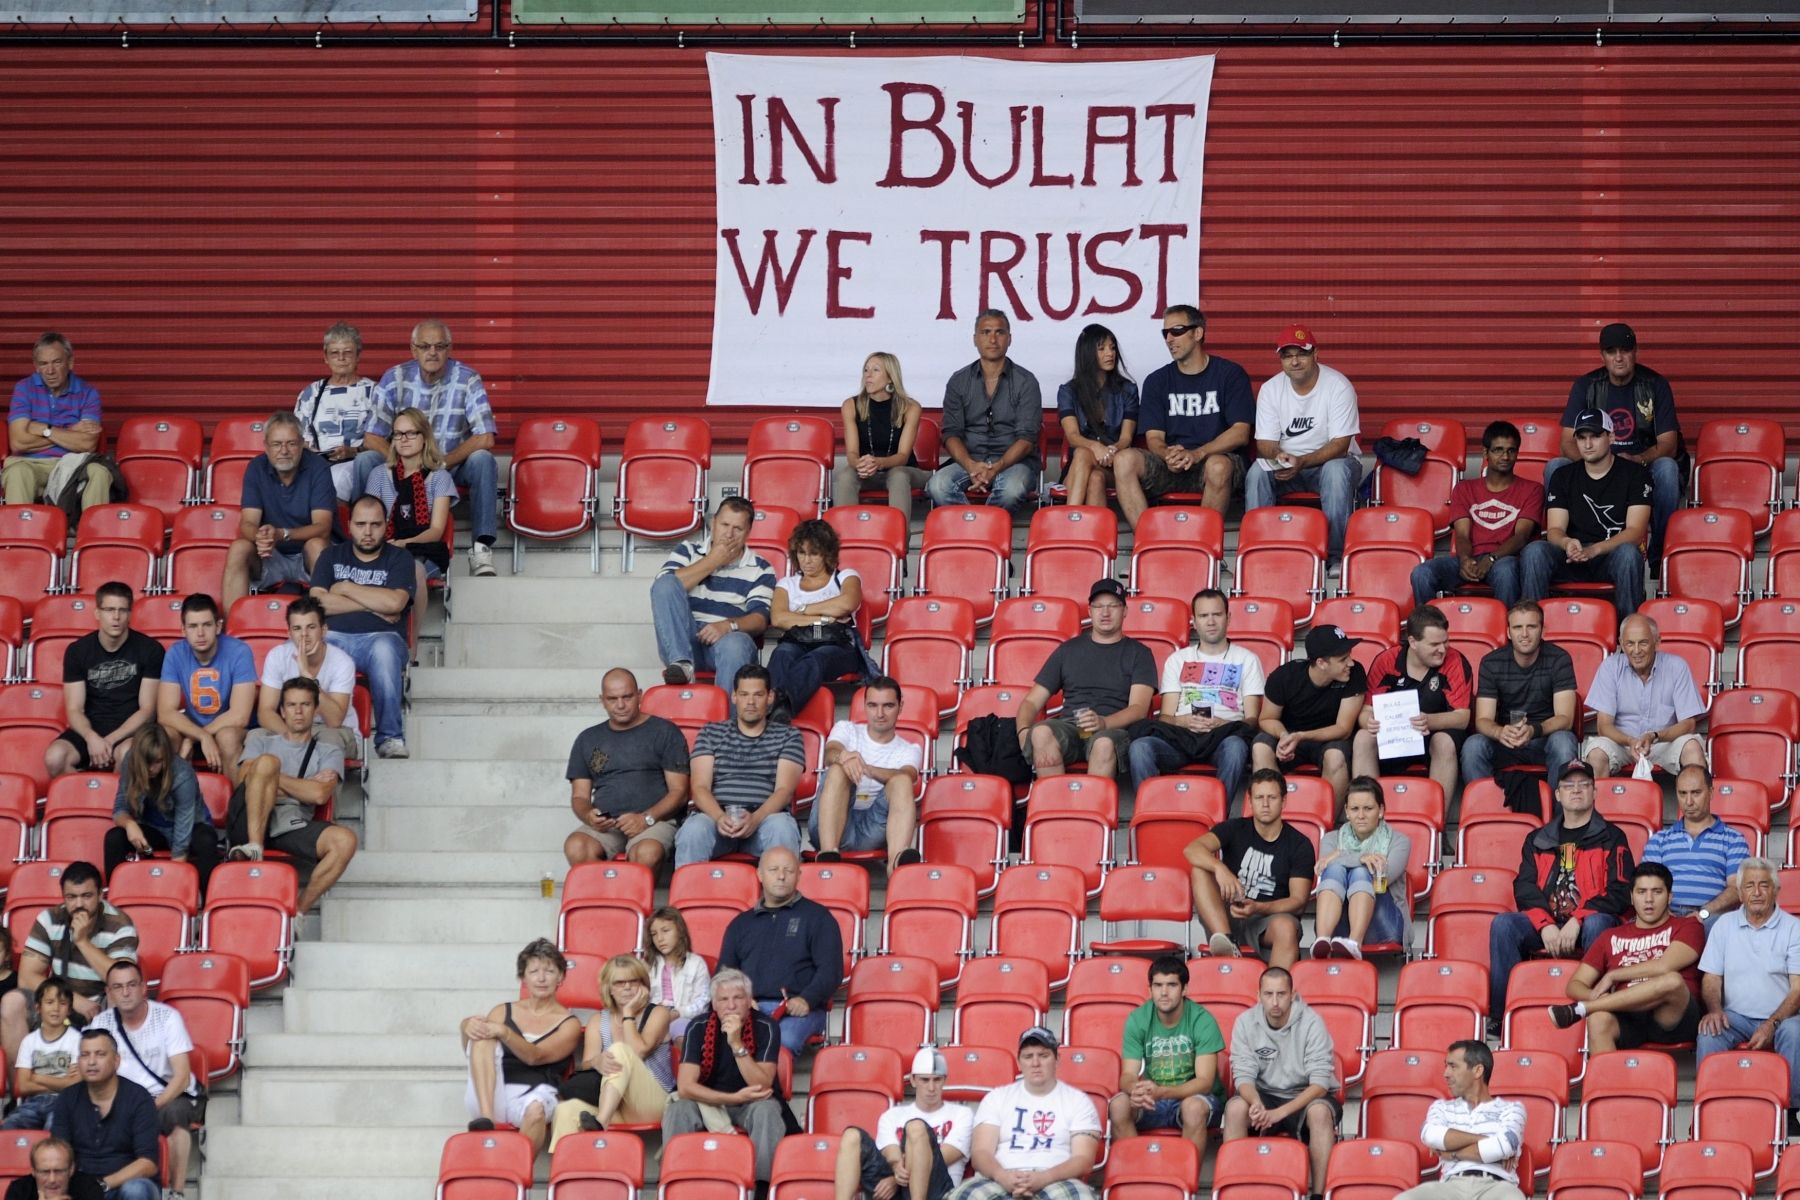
[1283, 1065]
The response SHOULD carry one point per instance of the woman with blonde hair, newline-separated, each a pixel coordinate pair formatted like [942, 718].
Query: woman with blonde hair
[417, 491]
[881, 422]
[627, 1072]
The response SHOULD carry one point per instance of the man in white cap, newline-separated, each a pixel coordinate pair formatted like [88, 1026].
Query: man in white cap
[922, 1147]
[1036, 1138]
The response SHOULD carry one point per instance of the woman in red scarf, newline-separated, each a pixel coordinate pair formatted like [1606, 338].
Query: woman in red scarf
[417, 492]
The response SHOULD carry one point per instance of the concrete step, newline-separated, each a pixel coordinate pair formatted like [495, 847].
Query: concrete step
[442, 919]
[214, 1187]
[341, 1154]
[422, 783]
[378, 868]
[510, 683]
[522, 828]
[563, 643]
[378, 1010]
[614, 599]
[290, 1097]
[356, 1052]
[491, 966]
[481, 732]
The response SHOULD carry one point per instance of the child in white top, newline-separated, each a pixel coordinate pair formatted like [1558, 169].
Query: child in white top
[47, 1059]
[678, 976]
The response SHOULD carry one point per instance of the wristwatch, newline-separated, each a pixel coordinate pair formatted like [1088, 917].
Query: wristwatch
[740, 1052]
[1703, 916]
[649, 820]
[734, 627]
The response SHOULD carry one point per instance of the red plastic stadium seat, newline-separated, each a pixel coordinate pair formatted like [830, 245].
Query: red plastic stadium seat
[1070, 819]
[1261, 1168]
[999, 998]
[1069, 547]
[1446, 452]
[1038, 912]
[690, 705]
[1770, 629]
[15, 1152]
[1264, 626]
[118, 541]
[1493, 840]
[1784, 556]
[662, 479]
[197, 547]
[926, 448]
[1629, 1096]
[1226, 987]
[1738, 464]
[1539, 442]
[77, 816]
[1094, 1070]
[597, 1166]
[1752, 736]
[162, 899]
[250, 909]
[235, 441]
[788, 463]
[977, 1070]
[1743, 804]
[1001, 700]
[929, 643]
[58, 623]
[1162, 623]
[1787, 1179]
[32, 540]
[1169, 812]
[930, 913]
[1381, 548]
[707, 1166]
[1371, 1169]
[1699, 1170]
[1693, 631]
[210, 990]
[1477, 625]
[1706, 555]
[494, 1165]
[160, 459]
[1416, 808]
[1587, 628]
[1530, 990]
[805, 1167]
[553, 484]
[1152, 1168]
[605, 906]
[893, 1002]
[1145, 893]
[1539, 1082]
[770, 529]
[852, 1085]
[1344, 994]
[1025, 630]
[964, 819]
[1374, 620]
[1176, 551]
[844, 890]
[1742, 1096]
[1439, 1002]
[1397, 1090]
[12, 638]
[873, 541]
[709, 895]
[1102, 993]
[1634, 805]
[966, 551]
[1281, 552]
[1596, 1171]
[1463, 904]
[18, 813]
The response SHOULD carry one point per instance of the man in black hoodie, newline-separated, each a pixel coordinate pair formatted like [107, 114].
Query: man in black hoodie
[1574, 880]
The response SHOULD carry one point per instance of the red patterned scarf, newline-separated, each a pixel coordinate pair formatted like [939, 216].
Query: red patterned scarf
[715, 1040]
[420, 505]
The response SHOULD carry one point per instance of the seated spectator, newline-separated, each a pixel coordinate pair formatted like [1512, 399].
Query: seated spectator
[1646, 429]
[1426, 665]
[207, 697]
[1700, 850]
[307, 655]
[53, 1175]
[1750, 976]
[417, 492]
[791, 946]
[289, 507]
[45, 1066]
[742, 774]
[1238, 869]
[729, 1075]
[1363, 889]
[1284, 1067]
[1596, 517]
[367, 588]
[1107, 681]
[1306, 427]
[519, 1053]
[158, 807]
[1647, 704]
[1035, 1139]
[110, 1123]
[868, 798]
[1310, 709]
[455, 401]
[815, 611]
[283, 778]
[77, 942]
[1532, 683]
[54, 413]
[1638, 984]
[1491, 521]
[881, 427]
[156, 1058]
[1574, 881]
[1211, 704]
[679, 978]
[710, 601]
[921, 1148]
[625, 1071]
[110, 682]
[628, 780]
[993, 418]
[1098, 410]
[1477, 1136]
[334, 410]
[1197, 416]
[1170, 1075]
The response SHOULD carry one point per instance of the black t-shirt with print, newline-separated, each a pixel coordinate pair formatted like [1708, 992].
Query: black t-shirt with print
[1264, 867]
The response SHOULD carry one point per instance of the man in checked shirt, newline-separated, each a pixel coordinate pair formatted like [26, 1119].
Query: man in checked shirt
[1476, 1136]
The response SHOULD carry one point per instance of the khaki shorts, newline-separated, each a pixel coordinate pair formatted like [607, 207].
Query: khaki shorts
[616, 843]
[1074, 748]
[1159, 480]
[1666, 755]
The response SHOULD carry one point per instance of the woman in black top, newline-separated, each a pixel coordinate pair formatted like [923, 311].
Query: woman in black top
[1098, 409]
[520, 1052]
[880, 424]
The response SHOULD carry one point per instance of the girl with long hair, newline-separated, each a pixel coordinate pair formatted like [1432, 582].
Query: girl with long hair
[158, 807]
[1098, 408]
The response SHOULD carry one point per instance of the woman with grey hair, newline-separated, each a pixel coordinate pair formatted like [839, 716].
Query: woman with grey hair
[334, 410]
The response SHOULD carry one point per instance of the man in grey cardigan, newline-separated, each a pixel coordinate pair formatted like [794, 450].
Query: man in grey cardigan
[1284, 1068]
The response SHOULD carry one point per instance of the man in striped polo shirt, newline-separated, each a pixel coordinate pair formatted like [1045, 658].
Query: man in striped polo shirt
[78, 940]
[1700, 850]
[54, 412]
[710, 601]
[1476, 1136]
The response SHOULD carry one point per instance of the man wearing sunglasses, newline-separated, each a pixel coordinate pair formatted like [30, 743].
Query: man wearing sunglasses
[1196, 414]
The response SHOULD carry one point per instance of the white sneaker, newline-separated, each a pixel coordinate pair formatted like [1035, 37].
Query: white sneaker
[1349, 948]
[248, 852]
[393, 748]
[1222, 945]
[481, 559]
[1324, 948]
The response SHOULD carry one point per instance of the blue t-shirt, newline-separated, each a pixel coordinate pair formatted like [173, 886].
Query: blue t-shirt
[392, 568]
[1192, 410]
[292, 506]
[206, 690]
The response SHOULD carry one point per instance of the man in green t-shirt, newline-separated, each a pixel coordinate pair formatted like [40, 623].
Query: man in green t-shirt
[1170, 1078]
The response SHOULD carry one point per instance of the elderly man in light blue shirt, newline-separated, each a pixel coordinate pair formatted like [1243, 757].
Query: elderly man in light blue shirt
[1750, 975]
[1647, 705]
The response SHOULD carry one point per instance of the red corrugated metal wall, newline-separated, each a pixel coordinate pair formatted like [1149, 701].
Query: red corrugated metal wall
[1456, 222]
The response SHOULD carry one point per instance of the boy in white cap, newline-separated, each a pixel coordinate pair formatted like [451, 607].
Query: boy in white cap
[922, 1147]
[1034, 1138]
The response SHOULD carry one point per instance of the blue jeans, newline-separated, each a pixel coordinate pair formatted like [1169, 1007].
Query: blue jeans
[1738, 1029]
[796, 1031]
[801, 670]
[1511, 938]
[382, 657]
[477, 475]
[141, 1188]
[1665, 496]
[1151, 756]
[1009, 491]
[1555, 751]
[699, 840]
[1444, 574]
[1335, 481]
[33, 1112]
[675, 641]
[1387, 925]
[1542, 565]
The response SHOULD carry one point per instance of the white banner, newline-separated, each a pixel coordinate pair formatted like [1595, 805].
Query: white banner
[870, 204]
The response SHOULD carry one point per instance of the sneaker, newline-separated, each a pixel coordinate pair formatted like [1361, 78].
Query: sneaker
[908, 857]
[392, 748]
[781, 712]
[481, 1125]
[1222, 945]
[591, 1124]
[1323, 948]
[828, 856]
[248, 852]
[481, 559]
[1334, 571]
[1563, 1015]
[1348, 948]
[679, 673]
[1493, 1028]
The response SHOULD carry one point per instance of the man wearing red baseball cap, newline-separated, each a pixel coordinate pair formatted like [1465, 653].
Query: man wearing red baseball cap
[1306, 426]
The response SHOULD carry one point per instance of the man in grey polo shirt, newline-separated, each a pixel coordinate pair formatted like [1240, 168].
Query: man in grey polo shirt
[993, 417]
[1750, 976]
[1647, 705]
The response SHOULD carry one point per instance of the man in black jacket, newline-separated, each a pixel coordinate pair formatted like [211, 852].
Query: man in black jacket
[791, 947]
[1574, 880]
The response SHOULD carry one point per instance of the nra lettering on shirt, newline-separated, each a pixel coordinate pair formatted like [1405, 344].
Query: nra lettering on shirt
[1193, 404]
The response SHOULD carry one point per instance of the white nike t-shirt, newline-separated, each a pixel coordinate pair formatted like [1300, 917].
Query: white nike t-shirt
[1302, 424]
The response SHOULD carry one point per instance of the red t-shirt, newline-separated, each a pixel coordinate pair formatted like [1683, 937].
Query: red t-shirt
[1627, 946]
[1492, 515]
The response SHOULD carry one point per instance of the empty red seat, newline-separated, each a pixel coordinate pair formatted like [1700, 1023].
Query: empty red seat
[604, 907]
[770, 529]
[1634, 805]
[929, 912]
[709, 896]
[32, 540]
[1743, 804]
[1038, 911]
[34, 887]
[966, 551]
[1711, 1170]
[597, 1166]
[873, 541]
[1152, 1168]
[852, 1085]
[1440, 1002]
[1371, 1169]
[1261, 1168]
[58, 623]
[1629, 1096]
[662, 479]
[1264, 626]
[18, 813]
[1784, 556]
[1493, 840]
[691, 706]
[707, 1166]
[161, 898]
[15, 1152]
[1383, 545]
[1070, 819]
[1477, 625]
[1025, 630]
[805, 1166]
[997, 999]
[1069, 547]
[201, 538]
[12, 638]
[1463, 904]
[964, 819]
[1531, 989]
[1742, 1096]
[1226, 987]
[250, 908]
[1102, 992]
[929, 643]
[1540, 1082]
[77, 816]
[160, 459]
[210, 990]
[1751, 736]
[1169, 812]
[1738, 464]
[1140, 894]
[1769, 644]
[553, 484]
[1707, 554]
[977, 1070]
[1446, 452]
[788, 462]
[893, 1002]
[1539, 442]
[486, 1166]
[1176, 551]
[235, 441]
[1596, 1171]
[1281, 552]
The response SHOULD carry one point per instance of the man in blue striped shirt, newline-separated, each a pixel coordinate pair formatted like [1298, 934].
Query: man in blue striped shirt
[711, 600]
[54, 412]
[1700, 850]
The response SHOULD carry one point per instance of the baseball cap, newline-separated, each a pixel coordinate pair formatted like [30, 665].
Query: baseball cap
[1618, 336]
[1593, 420]
[1295, 335]
[1578, 767]
[1039, 1035]
[928, 1061]
[1329, 641]
[1107, 587]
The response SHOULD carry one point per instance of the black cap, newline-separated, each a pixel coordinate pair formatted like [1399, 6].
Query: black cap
[1038, 1035]
[1328, 641]
[1107, 587]
[1617, 336]
[1593, 420]
[1578, 767]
